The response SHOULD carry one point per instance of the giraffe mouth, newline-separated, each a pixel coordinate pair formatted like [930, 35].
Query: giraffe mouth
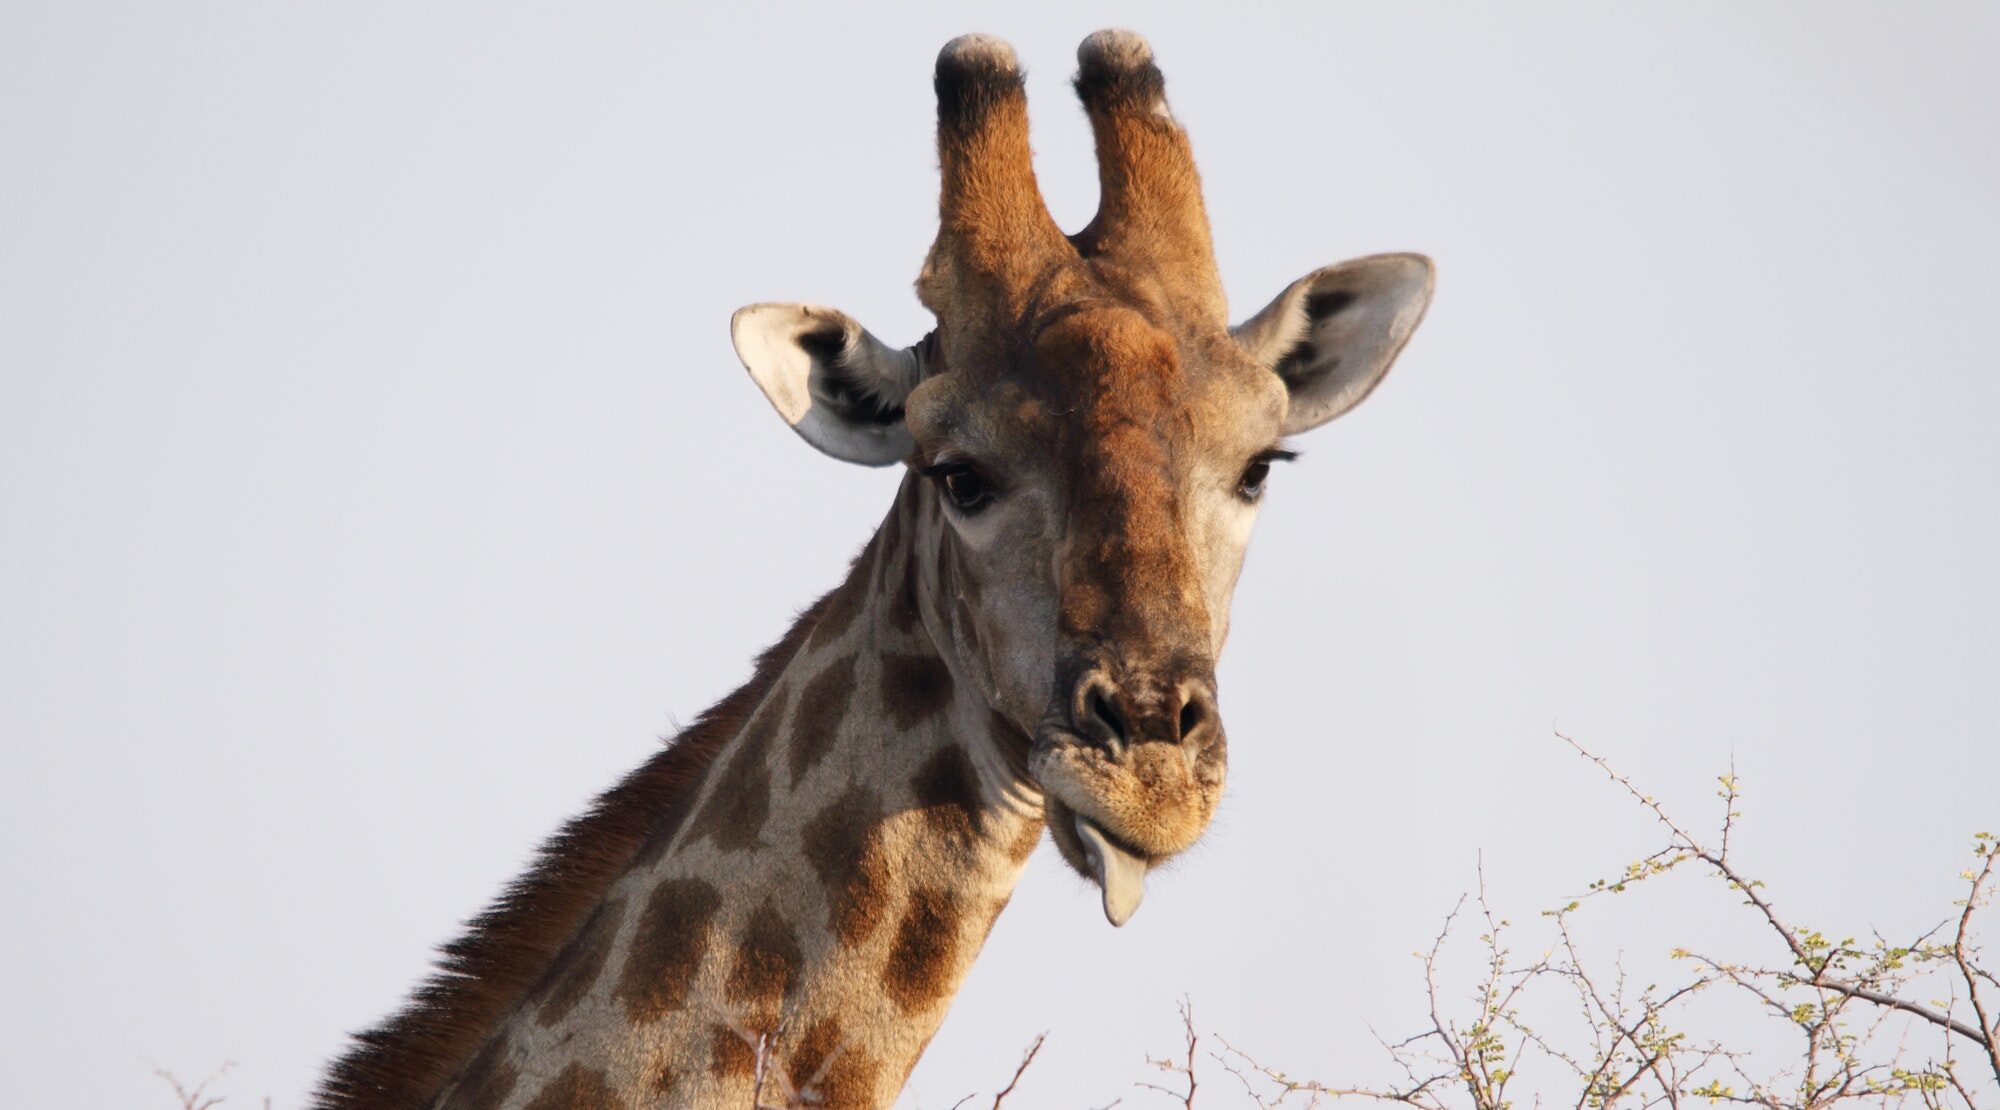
[1114, 818]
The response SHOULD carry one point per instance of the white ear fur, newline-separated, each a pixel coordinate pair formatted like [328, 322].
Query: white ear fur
[839, 387]
[1333, 334]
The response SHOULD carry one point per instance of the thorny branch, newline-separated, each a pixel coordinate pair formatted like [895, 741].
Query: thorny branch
[1183, 1069]
[1854, 1007]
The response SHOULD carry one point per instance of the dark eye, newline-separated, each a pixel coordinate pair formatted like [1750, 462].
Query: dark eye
[965, 487]
[1251, 486]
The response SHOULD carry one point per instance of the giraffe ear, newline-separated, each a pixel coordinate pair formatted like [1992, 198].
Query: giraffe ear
[1332, 334]
[834, 383]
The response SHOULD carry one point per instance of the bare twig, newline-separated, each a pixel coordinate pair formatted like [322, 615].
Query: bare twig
[1186, 1070]
[196, 1097]
[1027, 1058]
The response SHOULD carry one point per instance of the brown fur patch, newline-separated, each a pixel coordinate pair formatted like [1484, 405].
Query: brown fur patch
[487, 1083]
[766, 960]
[915, 688]
[729, 1055]
[947, 793]
[577, 1088]
[924, 956]
[809, 1056]
[734, 815]
[674, 934]
[403, 1063]
[843, 844]
[850, 1082]
[575, 971]
[821, 709]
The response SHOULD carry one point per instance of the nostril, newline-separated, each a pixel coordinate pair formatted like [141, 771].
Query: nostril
[1105, 715]
[1191, 717]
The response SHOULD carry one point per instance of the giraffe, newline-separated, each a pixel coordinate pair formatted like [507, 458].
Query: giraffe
[777, 908]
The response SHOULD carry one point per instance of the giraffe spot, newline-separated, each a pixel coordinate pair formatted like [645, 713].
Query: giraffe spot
[851, 1081]
[822, 707]
[844, 845]
[915, 688]
[845, 603]
[766, 959]
[673, 937]
[806, 1064]
[577, 1088]
[730, 1054]
[923, 958]
[734, 815]
[947, 795]
[487, 1082]
[575, 971]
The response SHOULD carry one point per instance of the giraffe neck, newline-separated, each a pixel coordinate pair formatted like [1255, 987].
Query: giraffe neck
[849, 850]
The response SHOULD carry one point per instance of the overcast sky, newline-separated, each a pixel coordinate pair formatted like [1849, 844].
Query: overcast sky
[378, 483]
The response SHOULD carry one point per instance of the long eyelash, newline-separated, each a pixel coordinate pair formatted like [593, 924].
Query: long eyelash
[937, 469]
[1275, 454]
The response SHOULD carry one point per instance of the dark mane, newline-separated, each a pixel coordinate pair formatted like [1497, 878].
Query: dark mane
[405, 1062]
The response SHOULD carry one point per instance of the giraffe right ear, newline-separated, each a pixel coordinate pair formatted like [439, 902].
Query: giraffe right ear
[1331, 335]
[834, 383]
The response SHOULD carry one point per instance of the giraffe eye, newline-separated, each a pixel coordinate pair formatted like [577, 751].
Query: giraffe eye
[964, 486]
[1251, 486]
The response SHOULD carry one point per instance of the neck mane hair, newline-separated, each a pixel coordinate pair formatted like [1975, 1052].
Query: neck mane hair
[483, 974]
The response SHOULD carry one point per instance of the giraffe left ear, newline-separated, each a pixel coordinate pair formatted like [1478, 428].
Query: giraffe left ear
[1333, 334]
[839, 387]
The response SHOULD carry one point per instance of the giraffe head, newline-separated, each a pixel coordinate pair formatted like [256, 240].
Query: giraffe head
[1096, 436]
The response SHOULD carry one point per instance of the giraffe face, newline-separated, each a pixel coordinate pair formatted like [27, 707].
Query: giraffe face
[1097, 493]
[1096, 435]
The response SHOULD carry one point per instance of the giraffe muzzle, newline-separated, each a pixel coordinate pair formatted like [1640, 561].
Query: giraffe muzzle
[1131, 764]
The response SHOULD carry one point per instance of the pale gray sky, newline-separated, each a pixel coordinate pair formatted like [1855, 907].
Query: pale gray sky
[378, 482]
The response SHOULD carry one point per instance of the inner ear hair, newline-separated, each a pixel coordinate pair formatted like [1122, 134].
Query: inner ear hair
[1301, 353]
[856, 391]
[1332, 335]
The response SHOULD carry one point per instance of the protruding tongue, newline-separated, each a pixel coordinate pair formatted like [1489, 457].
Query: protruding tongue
[1119, 872]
